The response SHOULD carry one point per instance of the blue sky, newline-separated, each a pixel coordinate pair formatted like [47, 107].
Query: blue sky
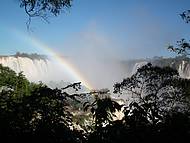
[117, 28]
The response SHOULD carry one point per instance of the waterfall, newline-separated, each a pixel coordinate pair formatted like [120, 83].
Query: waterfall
[43, 69]
[137, 66]
[36, 69]
[33, 69]
[184, 69]
[182, 66]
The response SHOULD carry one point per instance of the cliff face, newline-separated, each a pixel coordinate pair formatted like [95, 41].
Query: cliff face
[184, 69]
[33, 69]
[181, 64]
[37, 68]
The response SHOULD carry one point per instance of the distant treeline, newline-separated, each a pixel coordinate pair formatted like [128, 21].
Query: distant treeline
[31, 56]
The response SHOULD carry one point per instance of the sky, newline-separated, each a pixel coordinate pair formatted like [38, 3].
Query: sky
[95, 35]
[122, 29]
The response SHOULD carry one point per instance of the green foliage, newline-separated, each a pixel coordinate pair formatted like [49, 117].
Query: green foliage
[158, 110]
[43, 116]
[17, 83]
[7, 77]
[34, 111]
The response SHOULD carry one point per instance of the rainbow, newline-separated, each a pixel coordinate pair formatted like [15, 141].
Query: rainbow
[73, 72]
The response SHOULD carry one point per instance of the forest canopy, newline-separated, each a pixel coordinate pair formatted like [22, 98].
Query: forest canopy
[158, 106]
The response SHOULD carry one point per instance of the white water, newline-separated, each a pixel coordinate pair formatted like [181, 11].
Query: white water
[46, 70]
[137, 66]
[184, 69]
[35, 69]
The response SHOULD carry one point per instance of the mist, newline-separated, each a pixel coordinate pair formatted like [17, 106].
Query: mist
[96, 57]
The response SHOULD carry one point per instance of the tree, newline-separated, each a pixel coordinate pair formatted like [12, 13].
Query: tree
[157, 109]
[17, 83]
[50, 119]
[32, 112]
[44, 8]
[182, 47]
[102, 108]
[155, 90]
[7, 77]
[186, 16]
[41, 8]
[155, 95]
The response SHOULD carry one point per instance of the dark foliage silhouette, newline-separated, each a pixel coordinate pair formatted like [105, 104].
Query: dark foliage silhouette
[44, 8]
[156, 112]
[182, 46]
[186, 16]
[154, 85]
[102, 108]
[36, 113]
[41, 8]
